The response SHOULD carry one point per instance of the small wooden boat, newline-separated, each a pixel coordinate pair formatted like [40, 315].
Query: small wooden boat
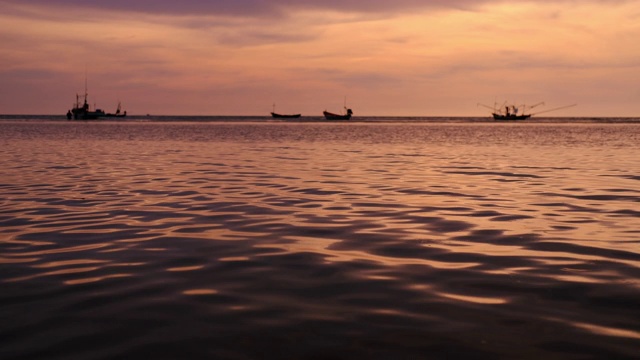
[332, 116]
[118, 112]
[285, 116]
[276, 115]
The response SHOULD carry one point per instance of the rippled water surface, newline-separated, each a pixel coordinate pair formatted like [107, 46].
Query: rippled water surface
[252, 240]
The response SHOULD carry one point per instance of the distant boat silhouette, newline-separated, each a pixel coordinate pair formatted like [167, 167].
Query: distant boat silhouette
[118, 112]
[332, 116]
[285, 116]
[83, 112]
[345, 116]
[510, 116]
[274, 114]
[511, 111]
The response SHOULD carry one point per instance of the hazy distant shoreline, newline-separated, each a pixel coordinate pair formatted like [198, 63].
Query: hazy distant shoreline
[316, 118]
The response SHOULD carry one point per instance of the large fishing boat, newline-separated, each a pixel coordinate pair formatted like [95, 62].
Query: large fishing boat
[511, 117]
[83, 112]
[510, 112]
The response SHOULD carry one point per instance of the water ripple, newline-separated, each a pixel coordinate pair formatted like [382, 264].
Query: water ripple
[319, 240]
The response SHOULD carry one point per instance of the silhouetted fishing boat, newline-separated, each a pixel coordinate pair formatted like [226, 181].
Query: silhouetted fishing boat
[83, 112]
[285, 116]
[332, 116]
[345, 116]
[118, 112]
[511, 112]
[509, 116]
[274, 114]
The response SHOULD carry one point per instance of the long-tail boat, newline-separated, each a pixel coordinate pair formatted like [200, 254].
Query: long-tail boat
[285, 116]
[332, 116]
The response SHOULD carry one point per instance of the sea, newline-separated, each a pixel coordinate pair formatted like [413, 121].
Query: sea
[167, 237]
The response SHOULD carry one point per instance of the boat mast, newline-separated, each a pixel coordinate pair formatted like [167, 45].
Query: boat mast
[86, 93]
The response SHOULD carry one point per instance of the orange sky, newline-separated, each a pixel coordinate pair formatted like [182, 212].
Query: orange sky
[405, 58]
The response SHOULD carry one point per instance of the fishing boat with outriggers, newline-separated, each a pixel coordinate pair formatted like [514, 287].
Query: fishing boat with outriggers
[511, 112]
[275, 115]
[508, 115]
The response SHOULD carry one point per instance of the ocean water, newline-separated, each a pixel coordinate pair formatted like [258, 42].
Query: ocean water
[177, 238]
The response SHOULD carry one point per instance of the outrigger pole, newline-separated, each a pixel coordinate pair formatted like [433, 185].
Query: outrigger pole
[559, 108]
[524, 106]
[494, 108]
[532, 106]
[488, 107]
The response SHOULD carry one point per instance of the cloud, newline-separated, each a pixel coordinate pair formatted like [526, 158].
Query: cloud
[248, 8]
[391, 57]
[271, 8]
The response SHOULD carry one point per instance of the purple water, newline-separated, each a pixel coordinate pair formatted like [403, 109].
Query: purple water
[379, 240]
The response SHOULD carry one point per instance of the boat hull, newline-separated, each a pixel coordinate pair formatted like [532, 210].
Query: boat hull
[109, 115]
[332, 116]
[285, 116]
[79, 114]
[510, 117]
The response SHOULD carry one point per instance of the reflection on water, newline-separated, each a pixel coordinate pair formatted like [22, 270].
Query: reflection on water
[319, 240]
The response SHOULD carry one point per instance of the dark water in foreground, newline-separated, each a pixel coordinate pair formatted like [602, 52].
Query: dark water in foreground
[253, 240]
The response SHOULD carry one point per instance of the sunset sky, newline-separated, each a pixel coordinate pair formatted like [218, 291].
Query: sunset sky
[400, 57]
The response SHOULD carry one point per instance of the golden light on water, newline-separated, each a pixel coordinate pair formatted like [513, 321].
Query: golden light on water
[199, 292]
[171, 238]
[474, 299]
[185, 268]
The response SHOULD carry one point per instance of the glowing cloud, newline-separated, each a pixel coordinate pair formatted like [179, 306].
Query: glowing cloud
[388, 58]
